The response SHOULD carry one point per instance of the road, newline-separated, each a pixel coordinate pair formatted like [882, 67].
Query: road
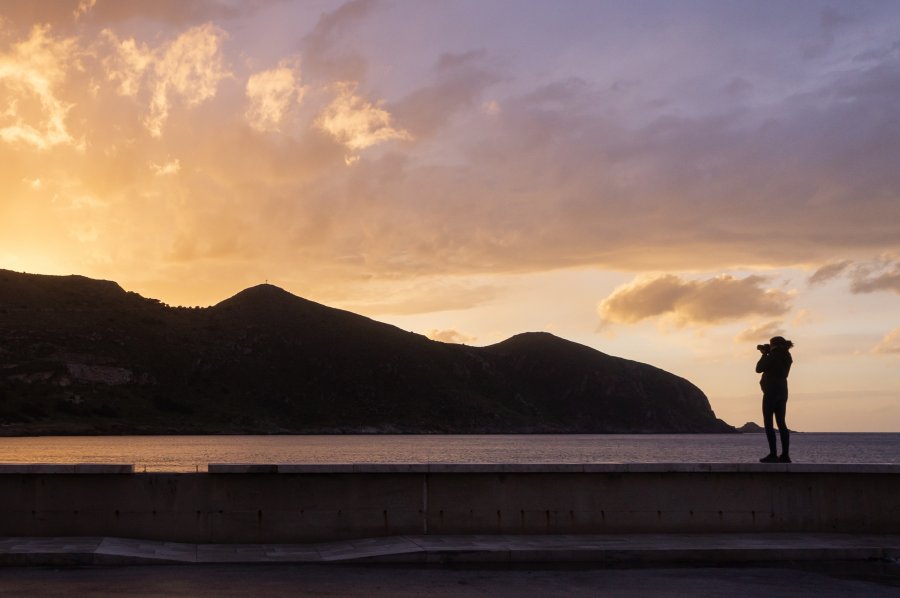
[824, 580]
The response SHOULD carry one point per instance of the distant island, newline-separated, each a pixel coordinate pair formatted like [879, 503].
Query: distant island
[83, 356]
[751, 428]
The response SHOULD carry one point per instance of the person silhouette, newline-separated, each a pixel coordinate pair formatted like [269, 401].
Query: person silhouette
[775, 365]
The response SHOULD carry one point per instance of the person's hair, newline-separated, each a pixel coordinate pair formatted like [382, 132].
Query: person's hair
[780, 340]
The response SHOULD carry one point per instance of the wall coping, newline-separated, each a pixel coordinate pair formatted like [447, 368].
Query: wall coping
[843, 468]
[298, 468]
[92, 468]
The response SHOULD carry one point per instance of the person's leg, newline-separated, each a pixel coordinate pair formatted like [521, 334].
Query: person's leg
[780, 411]
[768, 413]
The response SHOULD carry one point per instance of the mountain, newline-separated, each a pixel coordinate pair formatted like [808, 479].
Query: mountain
[83, 356]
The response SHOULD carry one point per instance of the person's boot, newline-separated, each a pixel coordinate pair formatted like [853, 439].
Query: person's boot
[770, 458]
[784, 458]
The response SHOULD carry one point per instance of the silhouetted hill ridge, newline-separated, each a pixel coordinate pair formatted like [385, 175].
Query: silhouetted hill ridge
[49, 291]
[271, 304]
[84, 356]
[264, 296]
[544, 343]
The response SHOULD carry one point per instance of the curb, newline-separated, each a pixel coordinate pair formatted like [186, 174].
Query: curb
[637, 549]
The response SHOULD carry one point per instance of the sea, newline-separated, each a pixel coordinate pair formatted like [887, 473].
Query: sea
[194, 453]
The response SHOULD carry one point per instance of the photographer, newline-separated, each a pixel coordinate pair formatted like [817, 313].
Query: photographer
[775, 365]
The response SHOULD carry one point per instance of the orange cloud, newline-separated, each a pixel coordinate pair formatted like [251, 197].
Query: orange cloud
[563, 175]
[890, 343]
[166, 168]
[84, 6]
[188, 68]
[710, 301]
[397, 297]
[127, 63]
[30, 75]
[450, 336]
[271, 93]
[355, 122]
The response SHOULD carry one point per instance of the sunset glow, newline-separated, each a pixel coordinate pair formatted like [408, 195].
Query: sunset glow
[670, 182]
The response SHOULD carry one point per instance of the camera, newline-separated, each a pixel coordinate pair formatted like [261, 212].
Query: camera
[764, 348]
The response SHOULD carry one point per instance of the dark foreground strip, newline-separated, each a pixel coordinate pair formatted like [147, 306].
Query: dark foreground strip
[610, 549]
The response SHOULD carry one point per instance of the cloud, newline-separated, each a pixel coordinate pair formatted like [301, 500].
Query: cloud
[831, 22]
[890, 343]
[160, 13]
[490, 107]
[459, 80]
[760, 333]
[695, 302]
[166, 168]
[571, 171]
[450, 336]
[878, 275]
[31, 74]
[828, 272]
[84, 6]
[738, 86]
[402, 297]
[188, 68]
[271, 93]
[569, 183]
[127, 64]
[874, 275]
[355, 122]
[326, 51]
[805, 317]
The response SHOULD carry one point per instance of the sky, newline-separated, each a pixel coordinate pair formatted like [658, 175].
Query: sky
[672, 182]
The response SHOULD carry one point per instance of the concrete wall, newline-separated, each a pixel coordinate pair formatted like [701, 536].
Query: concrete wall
[305, 503]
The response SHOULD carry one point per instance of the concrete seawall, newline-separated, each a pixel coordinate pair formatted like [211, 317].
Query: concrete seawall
[315, 503]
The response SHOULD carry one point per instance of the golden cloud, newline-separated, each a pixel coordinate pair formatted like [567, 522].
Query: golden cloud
[271, 94]
[188, 68]
[450, 336]
[890, 343]
[84, 6]
[127, 63]
[166, 168]
[355, 122]
[421, 295]
[554, 179]
[30, 74]
[710, 301]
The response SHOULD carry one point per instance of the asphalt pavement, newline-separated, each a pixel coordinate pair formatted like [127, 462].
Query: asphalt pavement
[871, 580]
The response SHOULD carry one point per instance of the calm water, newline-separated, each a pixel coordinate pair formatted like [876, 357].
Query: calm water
[192, 453]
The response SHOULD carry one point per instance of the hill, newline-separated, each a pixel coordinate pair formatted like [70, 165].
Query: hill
[751, 428]
[83, 356]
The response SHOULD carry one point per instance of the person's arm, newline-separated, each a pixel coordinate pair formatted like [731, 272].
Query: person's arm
[781, 364]
[762, 364]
